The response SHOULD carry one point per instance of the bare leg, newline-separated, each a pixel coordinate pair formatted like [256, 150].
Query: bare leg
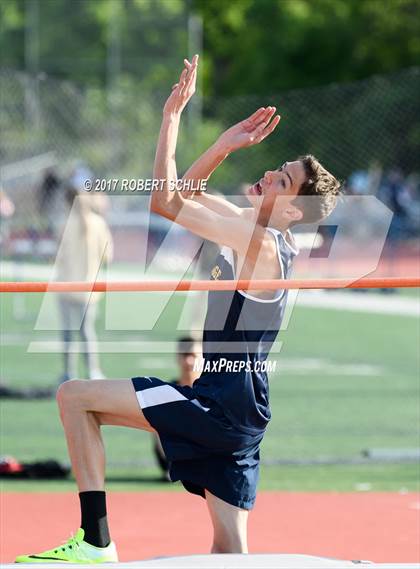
[229, 525]
[84, 407]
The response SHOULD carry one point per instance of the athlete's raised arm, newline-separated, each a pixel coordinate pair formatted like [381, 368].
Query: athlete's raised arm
[201, 220]
[165, 165]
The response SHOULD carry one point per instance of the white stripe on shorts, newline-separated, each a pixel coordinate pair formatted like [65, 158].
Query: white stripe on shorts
[158, 396]
[163, 394]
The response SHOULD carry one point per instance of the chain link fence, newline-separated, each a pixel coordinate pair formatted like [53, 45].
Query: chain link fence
[370, 125]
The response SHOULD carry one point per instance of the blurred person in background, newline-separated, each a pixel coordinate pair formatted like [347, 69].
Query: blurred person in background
[7, 210]
[411, 200]
[391, 193]
[47, 195]
[86, 244]
[79, 173]
[188, 351]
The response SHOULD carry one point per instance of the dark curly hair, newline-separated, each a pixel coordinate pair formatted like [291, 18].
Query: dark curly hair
[321, 187]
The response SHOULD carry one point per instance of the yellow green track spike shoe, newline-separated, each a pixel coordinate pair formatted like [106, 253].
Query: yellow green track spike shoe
[74, 551]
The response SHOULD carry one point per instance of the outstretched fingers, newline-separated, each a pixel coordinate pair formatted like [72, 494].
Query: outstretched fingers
[191, 75]
[256, 116]
[268, 114]
[188, 64]
[266, 128]
[183, 90]
[261, 117]
[181, 81]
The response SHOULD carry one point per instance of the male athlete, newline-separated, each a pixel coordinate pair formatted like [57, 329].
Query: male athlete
[210, 432]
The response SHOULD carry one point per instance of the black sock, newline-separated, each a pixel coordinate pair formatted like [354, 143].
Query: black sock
[94, 520]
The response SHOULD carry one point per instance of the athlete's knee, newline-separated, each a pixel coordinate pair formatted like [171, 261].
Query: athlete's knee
[70, 394]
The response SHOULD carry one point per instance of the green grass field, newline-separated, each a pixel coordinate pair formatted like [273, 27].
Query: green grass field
[345, 382]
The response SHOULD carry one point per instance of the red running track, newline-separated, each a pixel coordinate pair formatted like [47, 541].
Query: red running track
[381, 527]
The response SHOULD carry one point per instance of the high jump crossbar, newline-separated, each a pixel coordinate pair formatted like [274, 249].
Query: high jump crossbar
[214, 285]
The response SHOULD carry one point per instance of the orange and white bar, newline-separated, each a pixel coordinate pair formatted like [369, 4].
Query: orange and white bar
[172, 286]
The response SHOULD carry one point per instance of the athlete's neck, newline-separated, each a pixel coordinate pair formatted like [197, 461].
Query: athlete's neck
[256, 217]
[187, 378]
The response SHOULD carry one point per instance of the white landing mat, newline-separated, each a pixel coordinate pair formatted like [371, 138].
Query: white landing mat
[231, 561]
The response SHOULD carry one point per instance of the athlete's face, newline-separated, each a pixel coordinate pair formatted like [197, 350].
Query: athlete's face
[282, 183]
[186, 360]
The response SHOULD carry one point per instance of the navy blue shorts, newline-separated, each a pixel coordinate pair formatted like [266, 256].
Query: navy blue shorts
[204, 450]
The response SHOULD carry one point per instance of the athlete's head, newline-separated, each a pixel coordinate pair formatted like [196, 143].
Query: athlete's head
[307, 190]
[189, 349]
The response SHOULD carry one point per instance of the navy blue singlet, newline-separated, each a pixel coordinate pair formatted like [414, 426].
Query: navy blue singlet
[238, 333]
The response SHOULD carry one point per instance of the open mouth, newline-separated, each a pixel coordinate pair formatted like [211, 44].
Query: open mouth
[257, 189]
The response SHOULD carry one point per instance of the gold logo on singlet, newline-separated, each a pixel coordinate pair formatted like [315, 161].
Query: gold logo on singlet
[216, 272]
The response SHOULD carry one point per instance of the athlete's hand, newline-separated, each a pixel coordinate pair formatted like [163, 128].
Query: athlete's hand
[183, 90]
[251, 130]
